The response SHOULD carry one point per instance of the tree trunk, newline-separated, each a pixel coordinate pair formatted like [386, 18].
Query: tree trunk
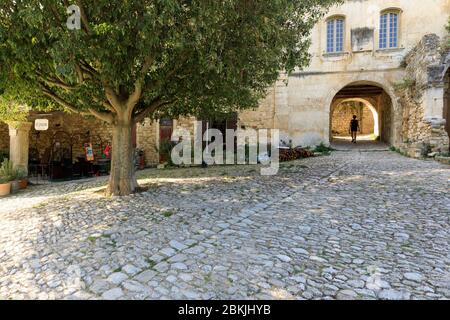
[122, 179]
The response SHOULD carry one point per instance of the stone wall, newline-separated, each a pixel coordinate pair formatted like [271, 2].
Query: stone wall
[146, 139]
[185, 123]
[423, 126]
[343, 113]
[390, 122]
[262, 117]
[69, 129]
[66, 129]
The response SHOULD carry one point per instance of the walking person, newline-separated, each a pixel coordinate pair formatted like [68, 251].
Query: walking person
[354, 127]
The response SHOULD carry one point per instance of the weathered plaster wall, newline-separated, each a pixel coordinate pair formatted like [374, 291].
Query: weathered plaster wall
[146, 139]
[262, 117]
[417, 18]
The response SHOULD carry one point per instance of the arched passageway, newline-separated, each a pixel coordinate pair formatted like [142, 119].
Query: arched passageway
[372, 106]
[365, 112]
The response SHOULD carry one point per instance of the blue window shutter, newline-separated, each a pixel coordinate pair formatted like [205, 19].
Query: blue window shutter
[339, 35]
[383, 31]
[393, 30]
[330, 36]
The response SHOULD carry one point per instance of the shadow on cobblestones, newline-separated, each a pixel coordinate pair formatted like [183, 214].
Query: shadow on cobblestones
[349, 226]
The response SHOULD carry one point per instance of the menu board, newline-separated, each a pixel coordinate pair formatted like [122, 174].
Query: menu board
[89, 152]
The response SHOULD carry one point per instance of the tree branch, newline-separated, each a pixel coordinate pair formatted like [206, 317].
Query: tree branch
[112, 97]
[59, 100]
[56, 82]
[86, 67]
[105, 104]
[57, 17]
[146, 112]
[79, 72]
[105, 116]
[84, 18]
[169, 75]
[139, 84]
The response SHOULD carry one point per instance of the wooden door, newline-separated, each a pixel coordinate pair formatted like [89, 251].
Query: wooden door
[165, 135]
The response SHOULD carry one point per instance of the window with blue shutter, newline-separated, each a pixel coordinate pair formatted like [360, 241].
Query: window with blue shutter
[335, 35]
[389, 30]
[393, 30]
[330, 36]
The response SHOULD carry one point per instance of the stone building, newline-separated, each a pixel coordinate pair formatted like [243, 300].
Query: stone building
[391, 56]
[387, 61]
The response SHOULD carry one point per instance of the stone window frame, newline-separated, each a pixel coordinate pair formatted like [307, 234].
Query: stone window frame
[388, 11]
[334, 18]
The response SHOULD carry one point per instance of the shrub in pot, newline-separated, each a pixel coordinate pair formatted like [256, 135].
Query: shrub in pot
[6, 175]
[5, 186]
[22, 179]
[15, 186]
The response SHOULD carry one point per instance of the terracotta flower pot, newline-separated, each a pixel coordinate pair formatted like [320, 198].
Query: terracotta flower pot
[5, 189]
[23, 184]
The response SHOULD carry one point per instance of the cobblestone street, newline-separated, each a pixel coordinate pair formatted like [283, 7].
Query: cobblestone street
[353, 225]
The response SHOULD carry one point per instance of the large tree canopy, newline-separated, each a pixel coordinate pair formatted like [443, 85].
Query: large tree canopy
[133, 59]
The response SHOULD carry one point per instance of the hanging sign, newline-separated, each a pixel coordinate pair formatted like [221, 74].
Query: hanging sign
[41, 124]
[89, 152]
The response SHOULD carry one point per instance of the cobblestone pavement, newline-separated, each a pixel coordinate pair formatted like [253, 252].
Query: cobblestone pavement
[364, 143]
[354, 225]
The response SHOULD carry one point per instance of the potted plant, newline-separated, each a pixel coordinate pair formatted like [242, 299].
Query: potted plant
[5, 178]
[5, 186]
[22, 177]
[18, 180]
[14, 182]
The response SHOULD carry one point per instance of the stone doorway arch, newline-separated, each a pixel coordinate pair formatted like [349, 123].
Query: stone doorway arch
[379, 101]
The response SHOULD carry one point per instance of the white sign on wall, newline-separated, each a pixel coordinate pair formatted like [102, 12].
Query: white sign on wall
[41, 124]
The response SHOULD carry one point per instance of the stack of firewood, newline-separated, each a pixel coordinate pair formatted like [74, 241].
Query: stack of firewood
[294, 154]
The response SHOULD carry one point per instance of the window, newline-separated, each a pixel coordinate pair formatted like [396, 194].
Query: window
[335, 35]
[389, 30]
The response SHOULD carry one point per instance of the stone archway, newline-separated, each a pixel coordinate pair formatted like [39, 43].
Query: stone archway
[389, 119]
[374, 97]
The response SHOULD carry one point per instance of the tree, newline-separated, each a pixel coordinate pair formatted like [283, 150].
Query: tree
[144, 58]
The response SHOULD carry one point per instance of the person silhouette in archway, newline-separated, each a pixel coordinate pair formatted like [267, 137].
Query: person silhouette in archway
[354, 127]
